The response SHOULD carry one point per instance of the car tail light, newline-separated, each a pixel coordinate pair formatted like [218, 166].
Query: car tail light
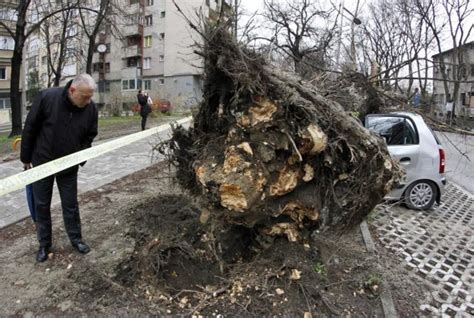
[442, 161]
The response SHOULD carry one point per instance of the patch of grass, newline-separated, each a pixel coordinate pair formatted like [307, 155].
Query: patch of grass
[111, 121]
[320, 268]
[373, 280]
[6, 143]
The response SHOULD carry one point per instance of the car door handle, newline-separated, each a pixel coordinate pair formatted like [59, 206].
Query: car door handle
[405, 160]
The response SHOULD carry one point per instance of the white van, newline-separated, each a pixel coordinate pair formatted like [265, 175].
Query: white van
[415, 146]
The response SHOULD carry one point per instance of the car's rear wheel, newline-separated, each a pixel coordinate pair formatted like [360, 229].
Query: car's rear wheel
[421, 195]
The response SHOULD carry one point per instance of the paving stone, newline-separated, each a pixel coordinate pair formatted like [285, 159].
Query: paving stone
[438, 246]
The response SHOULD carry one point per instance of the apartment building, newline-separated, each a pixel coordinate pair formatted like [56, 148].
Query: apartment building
[155, 54]
[464, 103]
[153, 50]
[7, 16]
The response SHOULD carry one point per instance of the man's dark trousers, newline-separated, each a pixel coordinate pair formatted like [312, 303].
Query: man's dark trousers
[42, 191]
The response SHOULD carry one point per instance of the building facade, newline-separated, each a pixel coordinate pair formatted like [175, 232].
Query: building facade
[155, 54]
[7, 16]
[464, 102]
[153, 50]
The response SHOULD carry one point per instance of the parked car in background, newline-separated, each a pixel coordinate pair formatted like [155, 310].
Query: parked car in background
[415, 146]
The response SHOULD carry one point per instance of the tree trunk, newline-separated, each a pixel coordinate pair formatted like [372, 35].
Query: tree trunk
[90, 54]
[15, 93]
[16, 62]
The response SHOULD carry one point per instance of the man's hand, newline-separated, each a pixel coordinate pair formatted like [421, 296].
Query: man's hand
[27, 166]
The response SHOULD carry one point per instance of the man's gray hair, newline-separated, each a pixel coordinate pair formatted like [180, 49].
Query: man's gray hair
[84, 79]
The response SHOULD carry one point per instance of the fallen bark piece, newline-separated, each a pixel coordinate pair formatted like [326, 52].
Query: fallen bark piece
[267, 150]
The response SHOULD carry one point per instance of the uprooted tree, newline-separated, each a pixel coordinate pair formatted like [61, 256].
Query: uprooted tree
[268, 152]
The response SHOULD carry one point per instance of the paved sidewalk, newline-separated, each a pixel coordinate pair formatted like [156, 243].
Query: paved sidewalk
[438, 247]
[97, 172]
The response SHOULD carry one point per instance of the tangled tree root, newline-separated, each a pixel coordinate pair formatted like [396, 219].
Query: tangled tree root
[269, 152]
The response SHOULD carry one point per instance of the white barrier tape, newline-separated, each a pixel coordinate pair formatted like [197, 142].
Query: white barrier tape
[24, 178]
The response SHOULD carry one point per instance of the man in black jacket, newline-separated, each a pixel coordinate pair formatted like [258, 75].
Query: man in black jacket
[61, 121]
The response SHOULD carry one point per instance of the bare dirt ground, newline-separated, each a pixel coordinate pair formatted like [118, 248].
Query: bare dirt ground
[151, 256]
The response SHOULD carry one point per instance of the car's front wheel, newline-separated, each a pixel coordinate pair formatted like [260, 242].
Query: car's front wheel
[421, 195]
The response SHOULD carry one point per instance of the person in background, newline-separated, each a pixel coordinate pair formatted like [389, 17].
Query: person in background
[416, 98]
[61, 121]
[449, 110]
[144, 107]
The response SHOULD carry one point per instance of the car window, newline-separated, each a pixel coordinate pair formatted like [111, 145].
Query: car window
[395, 130]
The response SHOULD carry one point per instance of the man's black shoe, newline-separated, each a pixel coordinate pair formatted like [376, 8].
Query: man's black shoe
[81, 247]
[42, 254]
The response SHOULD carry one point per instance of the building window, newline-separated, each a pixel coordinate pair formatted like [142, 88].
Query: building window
[129, 84]
[162, 81]
[103, 86]
[147, 85]
[147, 63]
[133, 62]
[6, 43]
[162, 36]
[207, 3]
[149, 2]
[5, 103]
[44, 59]
[147, 41]
[32, 62]
[3, 73]
[133, 40]
[162, 58]
[134, 1]
[463, 99]
[472, 69]
[463, 71]
[163, 14]
[149, 20]
[101, 67]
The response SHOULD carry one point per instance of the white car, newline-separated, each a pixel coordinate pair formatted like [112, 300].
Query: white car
[415, 146]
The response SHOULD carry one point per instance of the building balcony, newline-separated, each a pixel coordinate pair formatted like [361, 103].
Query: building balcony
[132, 29]
[131, 51]
[131, 72]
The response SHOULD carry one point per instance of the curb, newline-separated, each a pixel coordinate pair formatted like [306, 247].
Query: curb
[388, 306]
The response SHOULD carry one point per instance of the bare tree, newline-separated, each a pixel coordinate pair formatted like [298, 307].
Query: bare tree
[104, 18]
[59, 32]
[25, 26]
[388, 41]
[297, 31]
[456, 18]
